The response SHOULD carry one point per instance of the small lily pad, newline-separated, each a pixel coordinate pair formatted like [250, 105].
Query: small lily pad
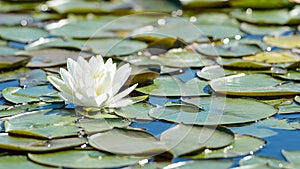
[275, 57]
[14, 18]
[131, 142]
[31, 94]
[214, 18]
[52, 57]
[12, 61]
[186, 139]
[264, 30]
[136, 111]
[34, 145]
[264, 162]
[213, 111]
[170, 86]
[20, 162]
[83, 159]
[242, 64]
[286, 42]
[22, 34]
[291, 75]
[242, 145]
[292, 156]
[229, 50]
[219, 31]
[6, 51]
[12, 75]
[43, 124]
[34, 78]
[263, 4]
[246, 85]
[204, 4]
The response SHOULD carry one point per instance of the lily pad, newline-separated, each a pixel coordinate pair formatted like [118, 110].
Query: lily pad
[264, 162]
[292, 156]
[229, 50]
[136, 111]
[273, 57]
[6, 51]
[127, 142]
[214, 18]
[19, 162]
[83, 159]
[170, 86]
[242, 145]
[100, 125]
[291, 75]
[264, 30]
[34, 78]
[12, 61]
[289, 109]
[15, 7]
[52, 57]
[246, 85]
[286, 42]
[204, 3]
[31, 94]
[242, 64]
[219, 31]
[43, 124]
[213, 111]
[215, 164]
[185, 139]
[34, 145]
[263, 4]
[22, 34]
[14, 18]
[12, 75]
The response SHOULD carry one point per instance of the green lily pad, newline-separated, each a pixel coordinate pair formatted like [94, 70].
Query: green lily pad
[219, 31]
[264, 162]
[14, 18]
[43, 124]
[229, 50]
[242, 145]
[131, 142]
[34, 145]
[264, 30]
[136, 111]
[83, 159]
[141, 75]
[12, 61]
[291, 75]
[246, 85]
[292, 156]
[286, 42]
[273, 57]
[15, 7]
[204, 3]
[263, 4]
[19, 162]
[99, 125]
[216, 164]
[213, 111]
[52, 57]
[242, 64]
[34, 78]
[22, 34]
[85, 7]
[6, 51]
[170, 86]
[31, 94]
[12, 75]
[6, 111]
[289, 109]
[212, 72]
[214, 18]
[185, 139]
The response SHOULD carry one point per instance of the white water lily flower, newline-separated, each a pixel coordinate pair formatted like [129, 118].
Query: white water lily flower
[93, 83]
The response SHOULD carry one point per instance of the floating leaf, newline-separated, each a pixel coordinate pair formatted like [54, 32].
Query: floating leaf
[242, 64]
[14, 7]
[292, 156]
[14, 18]
[34, 145]
[131, 142]
[52, 57]
[229, 50]
[19, 162]
[5, 51]
[34, 78]
[273, 57]
[214, 18]
[286, 42]
[83, 159]
[43, 124]
[22, 34]
[100, 125]
[219, 31]
[204, 3]
[263, 4]
[246, 85]
[263, 162]
[12, 61]
[136, 111]
[291, 75]
[141, 75]
[184, 139]
[242, 145]
[12, 75]
[31, 94]
[213, 111]
[216, 164]
[289, 109]
[170, 86]
[264, 30]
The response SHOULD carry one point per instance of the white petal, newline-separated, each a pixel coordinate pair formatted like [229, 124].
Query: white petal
[120, 78]
[124, 93]
[59, 84]
[67, 78]
[121, 103]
